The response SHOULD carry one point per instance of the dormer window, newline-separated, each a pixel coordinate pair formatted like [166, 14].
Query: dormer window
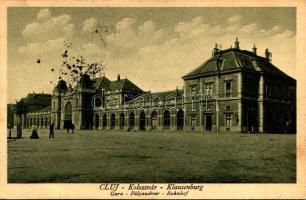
[256, 67]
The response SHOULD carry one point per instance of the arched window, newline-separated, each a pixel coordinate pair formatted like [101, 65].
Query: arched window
[142, 121]
[122, 120]
[104, 121]
[154, 120]
[97, 121]
[132, 120]
[180, 120]
[166, 119]
[113, 121]
[68, 111]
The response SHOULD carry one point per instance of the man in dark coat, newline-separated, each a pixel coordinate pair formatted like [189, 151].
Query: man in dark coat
[51, 134]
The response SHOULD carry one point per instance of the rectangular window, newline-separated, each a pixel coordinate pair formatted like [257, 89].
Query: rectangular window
[228, 88]
[192, 104]
[209, 89]
[193, 90]
[228, 120]
[207, 108]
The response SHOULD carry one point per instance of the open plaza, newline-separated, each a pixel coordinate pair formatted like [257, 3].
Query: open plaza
[94, 156]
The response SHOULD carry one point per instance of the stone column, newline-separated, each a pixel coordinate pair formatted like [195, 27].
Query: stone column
[160, 123]
[260, 105]
[126, 118]
[136, 127]
[148, 122]
[109, 121]
[117, 123]
[100, 120]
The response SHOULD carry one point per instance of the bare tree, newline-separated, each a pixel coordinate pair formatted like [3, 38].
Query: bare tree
[74, 66]
[20, 109]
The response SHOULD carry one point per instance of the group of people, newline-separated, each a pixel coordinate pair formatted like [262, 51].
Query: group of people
[72, 128]
[34, 134]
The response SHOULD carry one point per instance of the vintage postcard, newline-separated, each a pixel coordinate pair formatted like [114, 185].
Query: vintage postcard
[153, 100]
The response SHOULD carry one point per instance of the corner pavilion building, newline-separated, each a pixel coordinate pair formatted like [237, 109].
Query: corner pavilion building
[233, 91]
[243, 92]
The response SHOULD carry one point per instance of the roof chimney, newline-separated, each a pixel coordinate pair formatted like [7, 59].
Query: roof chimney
[254, 50]
[118, 77]
[215, 50]
[268, 55]
[236, 43]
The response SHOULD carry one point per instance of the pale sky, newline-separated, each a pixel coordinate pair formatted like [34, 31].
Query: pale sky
[153, 47]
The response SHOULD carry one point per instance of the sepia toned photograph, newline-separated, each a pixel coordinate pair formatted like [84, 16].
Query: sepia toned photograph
[182, 96]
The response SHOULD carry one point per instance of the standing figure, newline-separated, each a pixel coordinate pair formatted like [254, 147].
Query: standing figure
[51, 134]
[72, 128]
[34, 132]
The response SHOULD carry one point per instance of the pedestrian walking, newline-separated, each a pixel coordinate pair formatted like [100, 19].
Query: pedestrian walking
[51, 129]
[34, 132]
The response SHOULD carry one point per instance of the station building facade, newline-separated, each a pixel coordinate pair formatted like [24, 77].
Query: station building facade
[233, 91]
[244, 93]
[38, 107]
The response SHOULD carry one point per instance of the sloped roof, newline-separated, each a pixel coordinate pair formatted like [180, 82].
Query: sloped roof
[163, 95]
[118, 84]
[38, 99]
[235, 59]
[122, 84]
[45, 109]
[35, 102]
[101, 82]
